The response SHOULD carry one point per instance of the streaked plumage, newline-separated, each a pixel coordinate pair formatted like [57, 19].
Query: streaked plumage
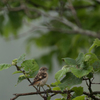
[41, 78]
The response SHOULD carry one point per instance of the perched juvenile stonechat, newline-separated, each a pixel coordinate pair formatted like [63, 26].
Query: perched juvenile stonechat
[41, 78]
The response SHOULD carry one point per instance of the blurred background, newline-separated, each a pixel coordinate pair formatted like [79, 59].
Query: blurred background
[46, 30]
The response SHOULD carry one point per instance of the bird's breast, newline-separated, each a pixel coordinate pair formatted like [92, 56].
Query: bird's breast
[43, 81]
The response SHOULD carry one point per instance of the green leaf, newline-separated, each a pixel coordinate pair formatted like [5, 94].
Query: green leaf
[87, 57]
[83, 70]
[80, 58]
[30, 65]
[69, 80]
[15, 24]
[78, 90]
[70, 61]
[58, 99]
[91, 57]
[79, 98]
[61, 73]
[56, 88]
[96, 66]
[55, 84]
[32, 74]
[95, 43]
[64, 96]
[4, 66]
[21, 78]
[21, 58]
[90, 75]
[17, 72]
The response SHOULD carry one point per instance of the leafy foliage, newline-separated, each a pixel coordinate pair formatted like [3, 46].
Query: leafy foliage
[69, 80]
[4, 66]
[21, 58]
[85, 65]
[73, 73]
[17, 72]
[70, 61]
[21, 78]
[96, 43]
[30, 65]
[78, 91]
[96, 66]
[79, 98]
[61, 73]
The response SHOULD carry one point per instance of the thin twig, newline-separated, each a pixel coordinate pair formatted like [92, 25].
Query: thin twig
[66, 31]
[89, 87]
[96, 83]
[20, 8]
[71, 7]
[87, 83]
[91, 95]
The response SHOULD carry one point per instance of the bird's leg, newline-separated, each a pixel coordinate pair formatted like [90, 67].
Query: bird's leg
[45, 91]
[38, 88]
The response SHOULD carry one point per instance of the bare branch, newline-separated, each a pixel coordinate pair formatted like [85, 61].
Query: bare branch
[89, 86]
[66, 31]
[96, 92]
[74, 13]
[91, 95]
[96, 83]
[54, 93]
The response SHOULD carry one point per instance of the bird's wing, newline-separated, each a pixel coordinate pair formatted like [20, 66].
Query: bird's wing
[40, 76]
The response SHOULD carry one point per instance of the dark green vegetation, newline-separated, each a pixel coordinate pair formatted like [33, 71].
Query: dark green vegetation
[66, 27]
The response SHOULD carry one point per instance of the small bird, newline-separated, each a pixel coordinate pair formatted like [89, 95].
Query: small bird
[41, 78]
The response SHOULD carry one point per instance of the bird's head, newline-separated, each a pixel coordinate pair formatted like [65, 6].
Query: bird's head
[43, 69]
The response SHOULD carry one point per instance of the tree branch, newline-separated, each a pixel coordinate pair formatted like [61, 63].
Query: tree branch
[20, 8]
[66, 31]
[28, 80]
[71, 7]
[89, 86]
[54, 93]
[23, 73]
[96, 83]
[92, 96]
[74, 28]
